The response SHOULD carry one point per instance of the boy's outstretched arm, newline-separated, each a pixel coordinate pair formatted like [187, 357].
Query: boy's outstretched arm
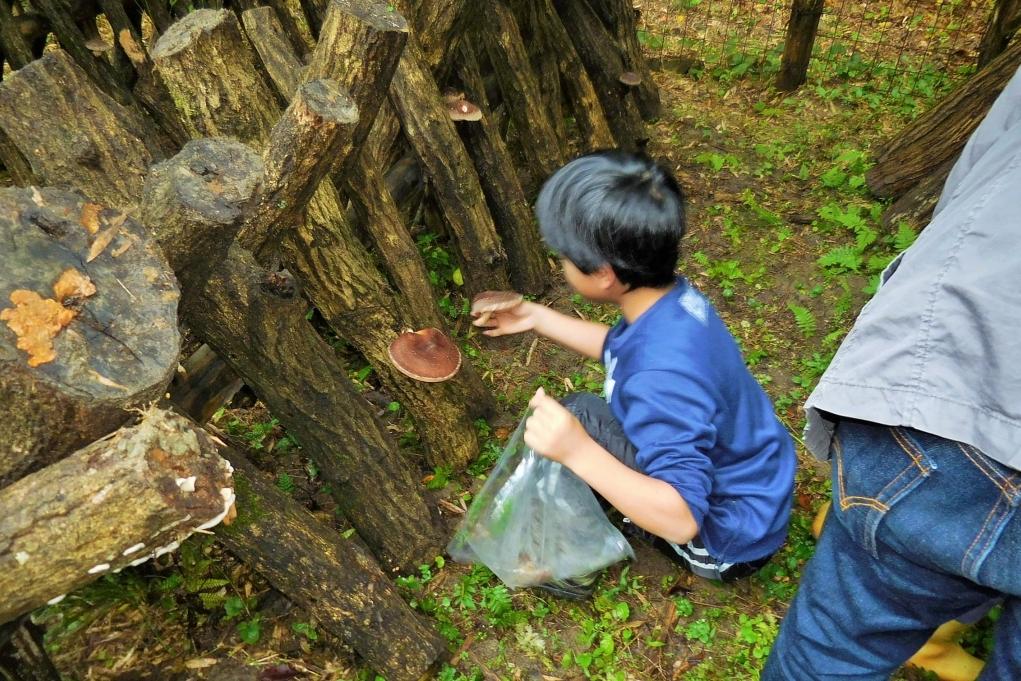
[584, 337]
[652, 504]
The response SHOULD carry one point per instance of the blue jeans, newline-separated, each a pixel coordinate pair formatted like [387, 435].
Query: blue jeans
[922, 531]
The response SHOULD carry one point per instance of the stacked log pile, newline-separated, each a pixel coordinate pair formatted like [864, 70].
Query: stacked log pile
[225, 169]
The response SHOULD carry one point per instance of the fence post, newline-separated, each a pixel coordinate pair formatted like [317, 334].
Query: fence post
[1004, 21]
[797, 49]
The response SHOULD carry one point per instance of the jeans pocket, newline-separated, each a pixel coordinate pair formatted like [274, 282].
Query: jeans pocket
[875, 468]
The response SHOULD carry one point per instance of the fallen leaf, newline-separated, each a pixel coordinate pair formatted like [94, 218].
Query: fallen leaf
[36, 321]
[201, 662]
[100, 378]
[101, 241]
[90, 217]
[73, 284]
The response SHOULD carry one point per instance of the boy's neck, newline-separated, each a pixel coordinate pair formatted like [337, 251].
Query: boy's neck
[635, 302]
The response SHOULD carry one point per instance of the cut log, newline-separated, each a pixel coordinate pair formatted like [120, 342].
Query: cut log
[255, 320]
[106, 132]
[16, 48]
[621, 19]
[271, 42]
[529, 267]
[295, 25]
[336, 580]
[427, 125]
[120, 501]
[540, 20]
[915, 206]
[89, 325]
[1004, 20]
[604, 64]
[520, 89]
[797, 48]
[340, 275]
[206, 384]
[22, 655]
[15, 163]
[938, 136]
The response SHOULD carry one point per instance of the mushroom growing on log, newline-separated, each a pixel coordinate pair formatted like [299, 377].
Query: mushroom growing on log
[89, 330]
[427, 355]
[488, 302]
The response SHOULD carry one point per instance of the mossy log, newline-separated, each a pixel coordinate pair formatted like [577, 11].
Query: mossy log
[939, 135]
[621, 19]
[119, 501]
[89, 324]
[335, 579]
[540, 143]
[255, 320]
[106, 133]
[529, 267]
[604, 64]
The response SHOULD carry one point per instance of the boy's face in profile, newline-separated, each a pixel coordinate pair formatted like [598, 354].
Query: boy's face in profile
[595, 287]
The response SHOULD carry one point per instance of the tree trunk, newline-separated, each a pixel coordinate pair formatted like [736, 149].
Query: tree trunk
[938, 136]
[621, 19]
[1004, 19]
[271, 42]
[427, 125]
[530, 270]
[120, 501]
[22, 655]
[15, 47]
[439, 27]
[255, 320]
[115, 345]
[520, 89]
[915, 206]
[541, 21]
[797, 48]
[292, 18]
[605, 65]
[335, 579]
[106, 133]
[159, 14]
[15, 162]
[206, 384]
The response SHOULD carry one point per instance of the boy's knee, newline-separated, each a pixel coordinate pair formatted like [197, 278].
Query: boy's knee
[580, 404]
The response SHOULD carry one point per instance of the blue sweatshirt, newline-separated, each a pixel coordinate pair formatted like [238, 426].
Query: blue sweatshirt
[677, 383]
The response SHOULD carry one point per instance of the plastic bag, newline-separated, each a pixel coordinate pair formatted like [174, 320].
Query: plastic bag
[535, 521]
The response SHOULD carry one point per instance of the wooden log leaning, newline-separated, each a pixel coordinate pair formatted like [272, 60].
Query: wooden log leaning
[339, 274]
[335, 579]
[915, 206]
[255, 319]
[797, 48]
[15, 48]
[604, 64]
[88, 325]
[937, 136]
[530, 269]
[119, 501]
[1004, 21]
[621, 19]
[540, 144]
[206, 384]
[22, 655]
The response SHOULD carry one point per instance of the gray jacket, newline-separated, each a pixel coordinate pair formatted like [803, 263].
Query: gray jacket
[938, 348]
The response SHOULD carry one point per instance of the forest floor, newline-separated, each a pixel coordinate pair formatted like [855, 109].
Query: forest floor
[784, 239]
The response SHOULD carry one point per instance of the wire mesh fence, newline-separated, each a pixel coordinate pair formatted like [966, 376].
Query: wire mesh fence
[914, 45]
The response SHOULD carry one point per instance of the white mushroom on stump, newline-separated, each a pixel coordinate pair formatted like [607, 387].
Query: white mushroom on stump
[459, 108]
[427, 355]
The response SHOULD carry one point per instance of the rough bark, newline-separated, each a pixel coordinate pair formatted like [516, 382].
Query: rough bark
[15, 162]
[117, 502]
[22, 655]
[271, 42]
[206, 384]
[334, 579]
[438, 27]
[621, 19]
[1004, 20]
[938, 136]
[604, 64]
[797, 49]
[117, 352]
[339, 274]
[428, 127]
[105, 133]
[16, 49]
[915, 206]
[520, 89]
[295, 24]
[255, 320]
[545, 29]
[530, 270]
[159, 14]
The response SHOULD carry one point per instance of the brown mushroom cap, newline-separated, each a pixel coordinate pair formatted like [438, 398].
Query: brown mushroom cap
[463, 110]
[426, 355]
[98, 45]
[486, 303]
[451, 96]
[630, 78]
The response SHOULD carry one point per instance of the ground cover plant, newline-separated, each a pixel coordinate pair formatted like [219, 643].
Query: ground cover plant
[785, 240]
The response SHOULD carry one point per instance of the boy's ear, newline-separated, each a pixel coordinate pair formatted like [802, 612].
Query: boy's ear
[606, 278]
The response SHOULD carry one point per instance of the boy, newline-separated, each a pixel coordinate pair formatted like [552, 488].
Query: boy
[686, 444]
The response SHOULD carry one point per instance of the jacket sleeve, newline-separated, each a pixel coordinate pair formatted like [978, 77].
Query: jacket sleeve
[669, 419]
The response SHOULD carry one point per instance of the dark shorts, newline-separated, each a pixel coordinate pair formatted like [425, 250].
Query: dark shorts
[602, 426]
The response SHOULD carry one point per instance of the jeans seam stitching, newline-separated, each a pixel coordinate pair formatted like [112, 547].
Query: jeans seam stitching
[981, 532]
[890, 484]
[990, 537]
[864, 501]
[912, 450]
[1005, 484]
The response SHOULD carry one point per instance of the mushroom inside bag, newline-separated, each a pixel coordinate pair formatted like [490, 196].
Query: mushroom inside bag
[534, 521]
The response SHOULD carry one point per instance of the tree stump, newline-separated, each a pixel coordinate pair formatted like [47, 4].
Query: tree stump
[120, 501]
[335, 579]
[797, 47]
[937, 136]
[620, 17]
[89, 324]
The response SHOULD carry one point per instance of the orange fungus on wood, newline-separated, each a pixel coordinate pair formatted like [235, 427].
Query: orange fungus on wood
[36, 321]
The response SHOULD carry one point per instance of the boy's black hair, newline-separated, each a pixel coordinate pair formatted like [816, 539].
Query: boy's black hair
[615, 208]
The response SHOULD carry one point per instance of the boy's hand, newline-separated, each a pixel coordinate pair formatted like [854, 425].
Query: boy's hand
[553, 431]
[515, 320]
